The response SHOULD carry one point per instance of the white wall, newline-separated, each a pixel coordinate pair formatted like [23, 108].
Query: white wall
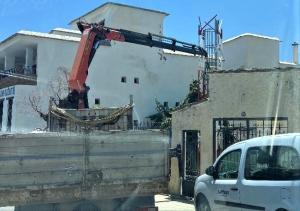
[165, 80]
[25, 119]
[251, 52]
[121, 17]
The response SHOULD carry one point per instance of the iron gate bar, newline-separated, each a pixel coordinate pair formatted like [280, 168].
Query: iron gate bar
[231, 130]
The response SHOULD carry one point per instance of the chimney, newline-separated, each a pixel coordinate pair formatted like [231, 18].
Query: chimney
[295, 52]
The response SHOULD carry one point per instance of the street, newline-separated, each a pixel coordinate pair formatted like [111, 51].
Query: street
[165, 203]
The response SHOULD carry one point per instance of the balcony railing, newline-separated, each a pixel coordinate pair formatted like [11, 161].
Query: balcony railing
[26, 71]
[18, 76]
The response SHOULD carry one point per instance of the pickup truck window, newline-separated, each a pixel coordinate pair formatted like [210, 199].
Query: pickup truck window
[272, 163]
[228, 165]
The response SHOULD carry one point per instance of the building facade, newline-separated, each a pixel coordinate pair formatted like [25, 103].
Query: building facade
[255, 95]
[30, 61]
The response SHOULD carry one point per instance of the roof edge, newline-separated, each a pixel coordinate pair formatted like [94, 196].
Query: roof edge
[118, 4]
[251, 35]
[40, 35]
[65, 30]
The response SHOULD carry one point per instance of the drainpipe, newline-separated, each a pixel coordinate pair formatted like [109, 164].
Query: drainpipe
[295, 52]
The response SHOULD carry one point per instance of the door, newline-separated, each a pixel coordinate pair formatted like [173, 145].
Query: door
[226, 194]
[191, 161]
[271, 173]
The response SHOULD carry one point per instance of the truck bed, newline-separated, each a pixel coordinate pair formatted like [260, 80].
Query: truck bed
[60, 167]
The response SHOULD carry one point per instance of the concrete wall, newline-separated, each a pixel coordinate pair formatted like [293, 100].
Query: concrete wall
[249, 51]
[57, 169]
[268, 93]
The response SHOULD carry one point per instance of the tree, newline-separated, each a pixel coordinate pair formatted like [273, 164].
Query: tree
[163, 117]
[56, 89]
[192, 96]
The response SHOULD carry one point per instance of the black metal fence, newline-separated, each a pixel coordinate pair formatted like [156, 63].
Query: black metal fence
[227, 131]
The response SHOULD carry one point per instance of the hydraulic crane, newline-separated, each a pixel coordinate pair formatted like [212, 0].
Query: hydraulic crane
[92, 35]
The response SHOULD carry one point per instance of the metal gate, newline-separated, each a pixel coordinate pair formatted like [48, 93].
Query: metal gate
[227, 131]
[191, 161]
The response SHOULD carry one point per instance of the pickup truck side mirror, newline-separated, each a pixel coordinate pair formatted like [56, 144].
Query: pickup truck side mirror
[211, 171]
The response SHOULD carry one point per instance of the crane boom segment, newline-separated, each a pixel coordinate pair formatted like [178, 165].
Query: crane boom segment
[92, 34]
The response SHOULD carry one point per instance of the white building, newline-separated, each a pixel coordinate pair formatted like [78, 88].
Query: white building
[251, 51]
[30, 60]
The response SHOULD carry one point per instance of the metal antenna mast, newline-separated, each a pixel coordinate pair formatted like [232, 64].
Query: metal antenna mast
[210, 38]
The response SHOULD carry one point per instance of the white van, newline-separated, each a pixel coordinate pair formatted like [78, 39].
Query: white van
[258, 174]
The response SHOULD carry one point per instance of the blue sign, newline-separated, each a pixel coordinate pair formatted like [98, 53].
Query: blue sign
[7, 91]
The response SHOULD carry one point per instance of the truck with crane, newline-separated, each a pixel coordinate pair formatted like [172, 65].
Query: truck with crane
[90, 170]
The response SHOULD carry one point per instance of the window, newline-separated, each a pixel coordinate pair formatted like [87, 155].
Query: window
[177, 104]
[136, 80]
[228, 165]
[166, 104]
[272, 163]
[9, 114]
[123, 79]
[97, 101]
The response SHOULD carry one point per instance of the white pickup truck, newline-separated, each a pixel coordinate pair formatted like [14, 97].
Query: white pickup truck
[258, 174]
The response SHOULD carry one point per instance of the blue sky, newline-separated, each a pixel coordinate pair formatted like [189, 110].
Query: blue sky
[278, 18]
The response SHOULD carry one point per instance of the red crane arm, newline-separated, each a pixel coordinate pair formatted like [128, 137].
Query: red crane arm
[78, 74]
[84, 53]
[92, 35]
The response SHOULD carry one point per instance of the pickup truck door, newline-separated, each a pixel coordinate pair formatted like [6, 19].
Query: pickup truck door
[226, 194]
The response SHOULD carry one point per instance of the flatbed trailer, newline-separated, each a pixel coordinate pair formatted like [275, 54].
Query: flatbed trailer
[116, 170]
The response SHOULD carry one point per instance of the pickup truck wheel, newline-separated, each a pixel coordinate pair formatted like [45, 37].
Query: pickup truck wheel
[202, 204]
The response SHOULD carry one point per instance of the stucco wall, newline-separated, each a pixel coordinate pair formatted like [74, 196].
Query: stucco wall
[25, 119]
[121, 17]
[268, 93]
[251, 52]
[162, 79]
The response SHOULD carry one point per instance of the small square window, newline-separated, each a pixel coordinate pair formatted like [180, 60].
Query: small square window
[97, 101]
[123, 79]
[177, 104]
[136, 80]
[166, 104]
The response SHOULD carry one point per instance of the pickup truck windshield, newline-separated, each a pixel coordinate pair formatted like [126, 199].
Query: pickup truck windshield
[272, 163]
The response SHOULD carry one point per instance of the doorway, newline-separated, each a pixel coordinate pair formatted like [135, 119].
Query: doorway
[191, 160]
